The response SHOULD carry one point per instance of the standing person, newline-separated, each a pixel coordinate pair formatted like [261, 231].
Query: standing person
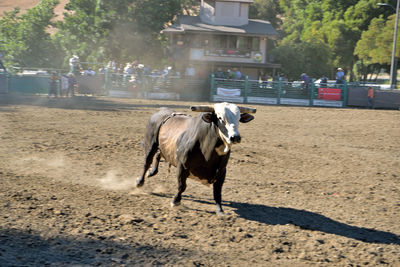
[305, 83]
[190, 71]
[339, 76]
[324, 81]
[265, 77]
[238, 74]
[219, 74]
[53, 85]
[72, 83]
[370, 97]
[228, 74]
[74, 64]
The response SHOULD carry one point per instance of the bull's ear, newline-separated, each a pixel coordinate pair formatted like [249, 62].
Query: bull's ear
[208, 117]
[246, 117]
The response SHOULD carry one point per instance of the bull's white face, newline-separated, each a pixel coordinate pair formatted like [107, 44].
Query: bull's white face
[228, 116]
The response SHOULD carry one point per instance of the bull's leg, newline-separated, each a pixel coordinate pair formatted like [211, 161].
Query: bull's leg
[148, 160]
[182, 176]
[217, 189]
[154, 170]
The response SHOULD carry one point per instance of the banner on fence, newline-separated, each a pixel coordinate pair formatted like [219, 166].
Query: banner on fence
[329, 94]
[228, 92]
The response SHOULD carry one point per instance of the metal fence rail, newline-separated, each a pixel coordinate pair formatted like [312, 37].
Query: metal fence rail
[211, 89]
[275, 93]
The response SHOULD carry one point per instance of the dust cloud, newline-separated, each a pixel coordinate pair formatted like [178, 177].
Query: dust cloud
[114, 181]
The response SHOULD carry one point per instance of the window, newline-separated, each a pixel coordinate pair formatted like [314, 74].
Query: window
[242, 43]
[232, 42]
[219, 41]
[255, 44]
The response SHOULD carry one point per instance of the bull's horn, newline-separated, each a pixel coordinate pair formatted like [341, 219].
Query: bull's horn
[202, 108]
[247, 110]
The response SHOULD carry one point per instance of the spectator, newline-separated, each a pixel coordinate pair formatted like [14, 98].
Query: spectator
[128, 69]
[233, 74]
[304, 77]
[219, 74]
[238, 74]
[166, 71]
[112, 65]
[265, 77]
[305, 83]
[72, 84]
[190, 71]
[371, 96]
[228, 74]
[324, 81]
[339, 76]
[89, 72]
[53, 85]
[74, 64]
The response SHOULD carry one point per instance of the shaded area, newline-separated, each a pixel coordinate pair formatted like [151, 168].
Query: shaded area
[306, 220]
[78, 103]
[24, 248]
[311, 221]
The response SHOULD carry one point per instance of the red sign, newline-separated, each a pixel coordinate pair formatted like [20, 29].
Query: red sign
[329, 93]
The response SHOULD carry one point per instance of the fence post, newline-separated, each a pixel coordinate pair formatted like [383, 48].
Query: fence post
[312, 92]
[345, 93]
[212, 87]
[279, 92]
[107, 80]
[246, 88]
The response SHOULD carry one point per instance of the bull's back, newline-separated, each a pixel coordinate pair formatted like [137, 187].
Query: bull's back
[168, 136]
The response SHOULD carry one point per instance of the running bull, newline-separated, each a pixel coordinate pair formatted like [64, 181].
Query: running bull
[198, 146]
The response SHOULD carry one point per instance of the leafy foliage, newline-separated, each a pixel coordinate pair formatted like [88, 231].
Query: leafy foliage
[292, 55]
[100, 30]
[337, 24]
[24, 39]
[317, 36]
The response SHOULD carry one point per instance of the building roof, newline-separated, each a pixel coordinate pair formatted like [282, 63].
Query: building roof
[255, 27]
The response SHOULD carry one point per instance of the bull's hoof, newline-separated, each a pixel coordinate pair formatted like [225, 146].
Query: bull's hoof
[220, 213]
[153, 172]
[139, 182]
[175, 204]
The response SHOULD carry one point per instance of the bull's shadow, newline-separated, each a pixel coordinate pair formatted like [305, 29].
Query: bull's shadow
[306, 220]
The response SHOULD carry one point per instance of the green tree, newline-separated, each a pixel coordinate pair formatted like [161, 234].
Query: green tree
[99, 30]
[337, 24]
[375, 46]
[266, 10]
[25, 40]
[297, 58]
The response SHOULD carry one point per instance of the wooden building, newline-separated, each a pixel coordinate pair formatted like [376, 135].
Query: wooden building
[221, 37]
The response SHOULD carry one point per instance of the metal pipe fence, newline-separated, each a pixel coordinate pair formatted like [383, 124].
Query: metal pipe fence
[210, 89]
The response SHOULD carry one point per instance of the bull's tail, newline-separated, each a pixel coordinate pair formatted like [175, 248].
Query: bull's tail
[151, 142]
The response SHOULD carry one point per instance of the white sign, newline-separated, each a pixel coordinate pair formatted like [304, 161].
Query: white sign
[296, 102]
[262, 100]
[327, 103]
[228, 92]
[233, 99]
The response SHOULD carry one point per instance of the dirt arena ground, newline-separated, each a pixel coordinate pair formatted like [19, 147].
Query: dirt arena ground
[306, 187]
